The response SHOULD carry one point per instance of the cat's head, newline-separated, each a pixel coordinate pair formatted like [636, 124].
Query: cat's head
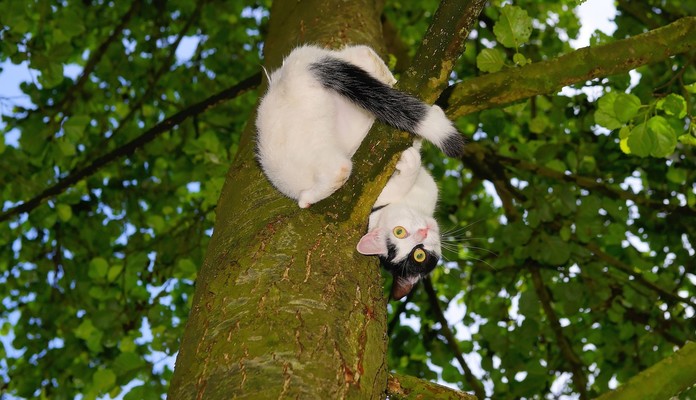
[409, 248]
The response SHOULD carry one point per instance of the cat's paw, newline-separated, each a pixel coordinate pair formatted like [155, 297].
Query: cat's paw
[306, 199]
[410, 161]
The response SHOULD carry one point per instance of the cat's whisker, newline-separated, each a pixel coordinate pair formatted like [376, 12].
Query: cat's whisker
[480, 260]
[461, 228]
[454, 239]
[484, 249]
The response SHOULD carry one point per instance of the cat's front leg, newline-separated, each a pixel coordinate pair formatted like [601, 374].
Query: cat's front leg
[407, 170]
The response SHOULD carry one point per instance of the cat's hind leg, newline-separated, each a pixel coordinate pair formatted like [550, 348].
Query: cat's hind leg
[326, 181]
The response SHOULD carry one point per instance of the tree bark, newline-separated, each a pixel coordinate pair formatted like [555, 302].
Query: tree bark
[543, 77]
[663, 380]
[284, 306]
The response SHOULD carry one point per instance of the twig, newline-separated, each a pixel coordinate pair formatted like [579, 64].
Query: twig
[576, 366]
[91, 63]
[451, 340]
[637, 276]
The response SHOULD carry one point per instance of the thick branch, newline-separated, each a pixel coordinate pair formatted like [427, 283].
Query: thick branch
[504, 87]
[403, 387]
[130, 147]
[576, 366]
[451, 340]
[442, 45]
[426, 77]
[663, 380]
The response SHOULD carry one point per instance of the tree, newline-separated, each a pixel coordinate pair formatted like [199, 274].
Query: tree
[587, 281]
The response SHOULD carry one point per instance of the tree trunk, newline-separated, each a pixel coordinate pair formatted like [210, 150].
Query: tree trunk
[284, 306]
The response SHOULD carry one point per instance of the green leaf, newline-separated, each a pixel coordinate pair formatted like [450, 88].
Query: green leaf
[664, 137]
[490, 60]
[519, 59]
[557, 252]
[103, 379]
[98, 268]
[640, 142]
[75, 126]
[185, 269]
[687, 139]
[626, 107]
[673, 104]
[64, 212]
[514, 26]
[51, 75]
[128, 361]
[85, 329]
[114, 272]
[66, 148]
[606, 113]
[539, 123]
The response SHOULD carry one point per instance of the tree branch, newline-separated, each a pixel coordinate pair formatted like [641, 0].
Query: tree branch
[130, 147]
[451, 340]
[442, 45]
[427, 75]
[91, 63]
[154, 78]
[403, 387]
[576, 366]
[637, 276]
[504, 87]
[666, 379]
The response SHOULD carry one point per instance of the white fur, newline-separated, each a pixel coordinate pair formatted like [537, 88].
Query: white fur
[307, 134]
[411, 196]
[436, 127]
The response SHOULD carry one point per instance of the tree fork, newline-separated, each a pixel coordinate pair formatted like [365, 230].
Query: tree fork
[284, 306]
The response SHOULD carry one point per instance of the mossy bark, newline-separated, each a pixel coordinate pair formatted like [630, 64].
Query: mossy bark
[284, 306]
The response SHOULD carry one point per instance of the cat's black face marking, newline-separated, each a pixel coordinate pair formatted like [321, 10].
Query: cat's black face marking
[408, 271]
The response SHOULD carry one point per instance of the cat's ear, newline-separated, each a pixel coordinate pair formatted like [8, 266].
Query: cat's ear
[403, 286]
[372, 244]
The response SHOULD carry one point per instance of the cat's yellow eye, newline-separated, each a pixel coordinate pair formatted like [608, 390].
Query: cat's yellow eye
[400, 232]
[419, 255]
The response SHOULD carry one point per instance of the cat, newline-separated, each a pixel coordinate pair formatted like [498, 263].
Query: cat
[319, 106]
[401, 230]
[318, 109]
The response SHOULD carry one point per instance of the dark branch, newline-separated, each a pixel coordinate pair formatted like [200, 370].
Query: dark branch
[668, 297]
[451, 340]
[130, 147]
[576, 366]
[91, 63]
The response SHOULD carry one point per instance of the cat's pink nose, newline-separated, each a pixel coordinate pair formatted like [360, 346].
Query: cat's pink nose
[423, 232]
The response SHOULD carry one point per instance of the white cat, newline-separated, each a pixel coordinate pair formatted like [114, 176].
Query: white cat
[402, 231]
[319, 106]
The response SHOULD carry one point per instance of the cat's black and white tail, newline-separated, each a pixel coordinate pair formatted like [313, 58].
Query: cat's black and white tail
[389, 106]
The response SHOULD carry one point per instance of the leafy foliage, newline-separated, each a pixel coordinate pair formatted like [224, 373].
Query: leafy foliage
[569, 262]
